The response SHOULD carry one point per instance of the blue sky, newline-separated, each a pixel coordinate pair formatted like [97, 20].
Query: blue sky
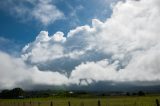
[21, 27]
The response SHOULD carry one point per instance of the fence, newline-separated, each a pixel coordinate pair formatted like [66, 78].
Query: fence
[69, 103]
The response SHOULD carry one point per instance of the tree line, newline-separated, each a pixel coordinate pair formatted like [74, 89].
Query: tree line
[20, 93]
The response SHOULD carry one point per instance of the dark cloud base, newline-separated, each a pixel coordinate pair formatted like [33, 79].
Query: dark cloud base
[101, 87]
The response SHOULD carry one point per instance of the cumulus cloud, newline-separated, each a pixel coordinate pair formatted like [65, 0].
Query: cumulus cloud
[124, 48]
[45, 47]
[118, 39]
[45, 12]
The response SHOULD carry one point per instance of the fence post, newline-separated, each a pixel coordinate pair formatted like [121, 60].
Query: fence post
[135, 103]
[157, 102]
[99, 103]
[39, 103]
[82, 104]
[69, 103]
[30, 103]
[51, 103]
[24, 104]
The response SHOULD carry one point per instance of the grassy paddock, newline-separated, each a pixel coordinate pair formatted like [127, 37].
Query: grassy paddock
[104, 101]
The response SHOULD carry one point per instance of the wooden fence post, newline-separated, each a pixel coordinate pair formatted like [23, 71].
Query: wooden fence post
[135, 103]
[99, 103]
[157, 102]
[24, 104]
[39, 103]
[69, 103]
[30, 103]
[82, 104]
[51, 103]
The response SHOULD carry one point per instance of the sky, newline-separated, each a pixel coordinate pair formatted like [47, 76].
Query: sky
[21, 21]
[79, 43]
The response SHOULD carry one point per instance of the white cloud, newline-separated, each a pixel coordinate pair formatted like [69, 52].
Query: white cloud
[44, 12]
[144, 65]
[131, 31]
[96, 71]
[124, 48]
[14, 72]
[46, 47]
[59, 36]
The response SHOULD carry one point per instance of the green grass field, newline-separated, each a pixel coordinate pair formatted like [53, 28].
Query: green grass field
[105, 101]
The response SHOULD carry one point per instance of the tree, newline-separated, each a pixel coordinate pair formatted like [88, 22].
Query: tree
[17, 92]
[141, 93]
[5, 93]
[128, 94]
[14, 93]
